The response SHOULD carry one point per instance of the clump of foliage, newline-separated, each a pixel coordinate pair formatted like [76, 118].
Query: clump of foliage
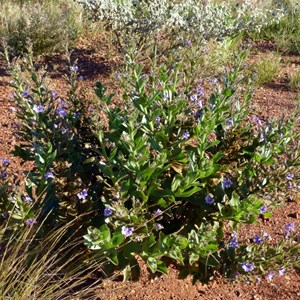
[267, 68]
[295, 80]
[169, 173]
[285, 33]
[46, 25]
[170, 23]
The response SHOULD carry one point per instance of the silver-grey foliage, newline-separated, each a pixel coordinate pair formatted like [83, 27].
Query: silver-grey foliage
[203, 19]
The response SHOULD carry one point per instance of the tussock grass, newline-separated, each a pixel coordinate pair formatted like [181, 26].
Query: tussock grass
[56, 266]
[267, 68]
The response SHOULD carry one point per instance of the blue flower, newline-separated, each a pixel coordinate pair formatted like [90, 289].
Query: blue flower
[5, 215]
[26, 94]
[74, 69]
[5, 162]
[107, 212]
[227, 183]
[3, 175]
[185, 135]
[270, 276]
[49, 175]
[53, 94]
[257, 239]
[194, 98]
[200, 91]
[199, 114]
[127, 231]
[38, 108]
[187, 43]
[157, 120]
[247, 267]
[290, 227]
[30, 222]
[209, 199]
[263, 209]
[214, 81]
[61, 112]
[158, 212]
[229, 122]
[26, 199]
[281, 271]
[289, 176]
[82, 195]
[233, 243]
[158, 226]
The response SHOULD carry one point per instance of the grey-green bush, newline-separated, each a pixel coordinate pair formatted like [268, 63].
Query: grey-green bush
[46, 25]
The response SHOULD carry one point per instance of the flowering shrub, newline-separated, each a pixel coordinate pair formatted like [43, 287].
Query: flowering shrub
[177, 167]
[167, 173]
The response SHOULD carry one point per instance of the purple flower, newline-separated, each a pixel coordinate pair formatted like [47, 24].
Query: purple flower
[49, 175]
[62, 103]
[263, 209]
[107, 212]
[118, 75]
[194, 98]
[64, 130]
[247, 267]
[3, 175]
[200, 104]
[158, 212]
[157, 120]
[185, 135]
[199, 114]
[38, 108]
[74, 69]
[158, 226]
[53, 94]
[5, 215]
[26, 94]
[233, 243]
[227, 183]
[200, 91]
[26, 199]
[290, 227]
[266, 236]
[127, 231]
[30, 222]
[270, 276]
[61, 112]
[281, 271]
[209, 199]
[187, 43]
[229, 122]
[5, 162]
[77, 115]
[289, 176]
[214, 81]
[82, 195]
[257, 239]
[257, 120]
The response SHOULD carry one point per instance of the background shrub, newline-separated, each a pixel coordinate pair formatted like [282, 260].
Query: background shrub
[46, 25]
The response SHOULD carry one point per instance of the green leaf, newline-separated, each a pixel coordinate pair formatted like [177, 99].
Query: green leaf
[152, 264]
[235, 200]
[188, 193]
[177, 179]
